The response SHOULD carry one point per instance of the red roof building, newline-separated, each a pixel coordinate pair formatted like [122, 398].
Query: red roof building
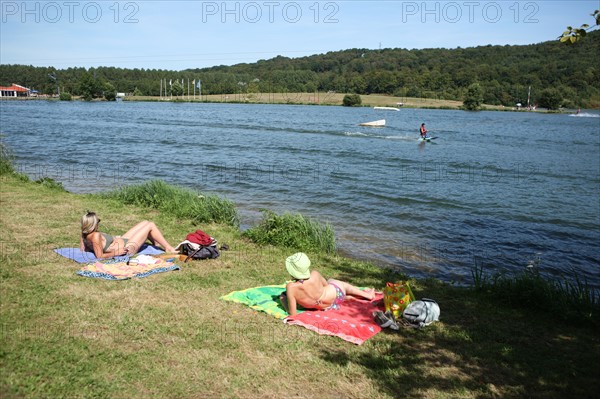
[14, 91]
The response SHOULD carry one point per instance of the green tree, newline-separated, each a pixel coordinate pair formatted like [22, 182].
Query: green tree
[177, 88]
[352, 100]
[110, 93]
[550, 98]
[89, 87]
[474, 97]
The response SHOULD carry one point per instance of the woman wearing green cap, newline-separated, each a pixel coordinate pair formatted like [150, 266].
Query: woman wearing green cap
[310, 290]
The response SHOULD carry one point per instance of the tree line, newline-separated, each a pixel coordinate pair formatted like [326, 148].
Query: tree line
[502, 73]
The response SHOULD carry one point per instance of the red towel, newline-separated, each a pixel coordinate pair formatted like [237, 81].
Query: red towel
[353, 322]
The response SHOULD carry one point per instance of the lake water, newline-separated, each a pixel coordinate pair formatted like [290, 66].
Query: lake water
[507, 190]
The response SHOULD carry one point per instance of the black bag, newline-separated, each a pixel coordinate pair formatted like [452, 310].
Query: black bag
[201, 252]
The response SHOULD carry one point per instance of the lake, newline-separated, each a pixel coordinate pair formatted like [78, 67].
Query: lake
[506, 190]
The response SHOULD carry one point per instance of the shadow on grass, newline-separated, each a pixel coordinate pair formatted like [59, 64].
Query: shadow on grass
[480, 349]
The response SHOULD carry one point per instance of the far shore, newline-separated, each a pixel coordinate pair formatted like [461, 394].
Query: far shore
[328, 99]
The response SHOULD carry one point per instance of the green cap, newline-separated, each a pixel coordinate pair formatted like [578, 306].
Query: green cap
[297, 266]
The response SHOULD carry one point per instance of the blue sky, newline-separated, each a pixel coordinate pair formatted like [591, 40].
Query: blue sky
[178, 35]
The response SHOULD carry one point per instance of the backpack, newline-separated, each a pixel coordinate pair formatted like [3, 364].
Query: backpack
[198, 245]
[196, 251]
[421, 313]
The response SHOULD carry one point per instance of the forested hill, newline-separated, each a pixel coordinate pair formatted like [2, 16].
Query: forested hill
[504, 73]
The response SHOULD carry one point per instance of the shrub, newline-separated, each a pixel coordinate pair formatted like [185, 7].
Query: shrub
[64, 96]
[352, 100]
[110, 95]
[293, 231]
[179, 202]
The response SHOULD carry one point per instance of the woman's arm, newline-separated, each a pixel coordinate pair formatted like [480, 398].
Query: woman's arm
[291, 302]
[283, 300]
[81, 244]
[96, 240]
[319, 277]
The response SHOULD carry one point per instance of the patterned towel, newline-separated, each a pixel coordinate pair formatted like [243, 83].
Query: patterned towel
[264, 299]
[353, 322]
[80, 256]
[116, 270]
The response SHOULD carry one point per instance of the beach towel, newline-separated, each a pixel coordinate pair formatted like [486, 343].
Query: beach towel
[353, 322]
[264, 299]
[118, 270]
[80, 256]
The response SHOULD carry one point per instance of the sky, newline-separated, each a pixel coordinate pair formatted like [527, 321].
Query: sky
[178, 35]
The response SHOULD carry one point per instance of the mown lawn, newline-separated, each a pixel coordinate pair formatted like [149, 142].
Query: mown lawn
[169, 335]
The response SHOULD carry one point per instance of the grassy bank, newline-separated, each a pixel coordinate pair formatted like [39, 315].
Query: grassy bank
[169, 335]
[373, 100]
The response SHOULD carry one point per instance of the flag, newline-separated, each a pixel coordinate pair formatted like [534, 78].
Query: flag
[198, 84]
[170, 82]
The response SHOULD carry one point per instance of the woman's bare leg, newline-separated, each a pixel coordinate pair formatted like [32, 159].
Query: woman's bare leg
[143, 231]
[349, 289]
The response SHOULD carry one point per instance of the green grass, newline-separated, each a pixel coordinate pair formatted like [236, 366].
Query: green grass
[569, 298]
[179, 202]
[6, 166]
[170, 335]
[293, 231]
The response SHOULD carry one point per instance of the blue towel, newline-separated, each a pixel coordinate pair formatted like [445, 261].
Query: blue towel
[86, 257]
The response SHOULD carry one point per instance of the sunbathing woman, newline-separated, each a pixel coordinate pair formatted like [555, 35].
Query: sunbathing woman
[311, 291]
[106, 246]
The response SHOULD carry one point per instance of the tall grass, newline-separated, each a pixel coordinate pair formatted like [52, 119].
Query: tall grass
[7, 168]
[177, 201]
[6, 165]
[293, 231]
[569, 297]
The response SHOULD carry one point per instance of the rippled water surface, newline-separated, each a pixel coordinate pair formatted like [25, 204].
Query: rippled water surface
[504, 189]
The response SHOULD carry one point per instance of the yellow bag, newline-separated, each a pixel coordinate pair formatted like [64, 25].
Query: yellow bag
[396, 297]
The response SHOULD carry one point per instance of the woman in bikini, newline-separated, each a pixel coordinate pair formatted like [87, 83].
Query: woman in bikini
[106, 246]
[310, 290]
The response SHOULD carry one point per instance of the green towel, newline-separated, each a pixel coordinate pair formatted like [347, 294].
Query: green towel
[264, 299]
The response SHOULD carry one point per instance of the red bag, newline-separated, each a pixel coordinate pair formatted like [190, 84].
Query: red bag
[199, 237]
